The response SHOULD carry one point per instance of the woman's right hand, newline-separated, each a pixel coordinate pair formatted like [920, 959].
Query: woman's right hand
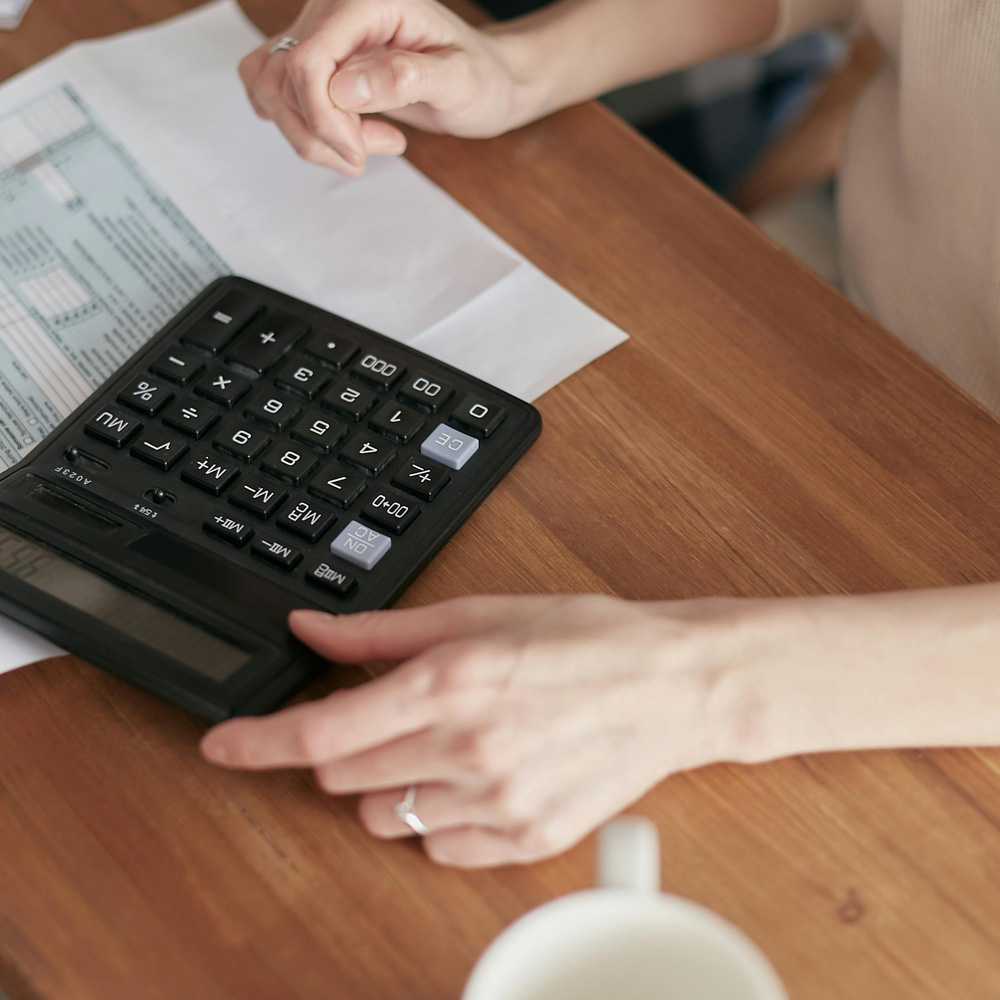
[412, 60]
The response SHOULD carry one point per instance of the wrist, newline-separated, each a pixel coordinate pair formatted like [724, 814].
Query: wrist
[519, 51]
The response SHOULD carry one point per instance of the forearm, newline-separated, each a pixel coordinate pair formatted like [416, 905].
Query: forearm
[574, 50]
[918, 668]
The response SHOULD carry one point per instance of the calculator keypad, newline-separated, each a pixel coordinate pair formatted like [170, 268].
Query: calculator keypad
[297, 434]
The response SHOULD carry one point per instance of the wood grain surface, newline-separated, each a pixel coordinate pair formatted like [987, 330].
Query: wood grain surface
[756, 436]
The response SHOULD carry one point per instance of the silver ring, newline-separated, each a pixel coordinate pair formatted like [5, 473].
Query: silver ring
[405, 814]
[283, 44]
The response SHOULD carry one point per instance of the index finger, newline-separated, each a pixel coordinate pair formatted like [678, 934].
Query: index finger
[344, 723]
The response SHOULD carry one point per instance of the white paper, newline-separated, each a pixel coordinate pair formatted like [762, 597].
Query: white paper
[11, 13]
[391, 250]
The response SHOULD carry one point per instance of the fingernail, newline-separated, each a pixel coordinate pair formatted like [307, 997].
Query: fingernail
[350, 90]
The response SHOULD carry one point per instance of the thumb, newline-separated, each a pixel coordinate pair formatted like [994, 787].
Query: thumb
[393, 80]
[398, 634]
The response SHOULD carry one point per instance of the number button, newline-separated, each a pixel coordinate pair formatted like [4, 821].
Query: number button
[476, 415]
[146, 394]
[360, 545]
[159, 449]
[379, 372]
[449, 447]
[397, 422]
[330, 349]
[178, 365]
[305, 519]
[258, 497]
[277, 553]
[289, 461]
[221, 386]
[369, 452]
[338, 484]
[349, 399]
[265, 342]
[244, 443]
[111, 427]
[273, 411]
[426, 392]
[391, 510]
[320, 430]
[422, 479]
[190, 416]
[206, 472]
[304, 378]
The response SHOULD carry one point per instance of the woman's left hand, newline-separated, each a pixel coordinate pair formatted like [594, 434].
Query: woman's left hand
[524, 721]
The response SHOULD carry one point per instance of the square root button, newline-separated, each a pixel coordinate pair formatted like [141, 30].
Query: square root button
[360, 545]
[449, 447]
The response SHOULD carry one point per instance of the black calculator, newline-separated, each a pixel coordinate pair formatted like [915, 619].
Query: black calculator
[257, 455]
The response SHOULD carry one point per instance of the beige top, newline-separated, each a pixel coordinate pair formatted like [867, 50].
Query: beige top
[920, 182]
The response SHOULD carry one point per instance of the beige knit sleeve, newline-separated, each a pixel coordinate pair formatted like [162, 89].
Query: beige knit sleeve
[798, 16]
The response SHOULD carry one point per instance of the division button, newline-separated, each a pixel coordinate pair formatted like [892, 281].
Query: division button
[334, 580]
[178, 365]
[258, 497]
[426, 391]
[233, 529]
[397, 422]
[421, 478]
[204, 470]
[369, 452]
[190, 416]
[276, 552]
[112, 427]
[306, 519]
[449, 447]
[159, 448]
[338, 484]
[360, 545]
[391, 510]
[476, 415]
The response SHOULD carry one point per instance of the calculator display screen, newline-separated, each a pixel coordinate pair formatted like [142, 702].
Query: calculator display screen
[119, 608]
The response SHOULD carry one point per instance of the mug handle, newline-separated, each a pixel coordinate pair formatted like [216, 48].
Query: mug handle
[628, 855]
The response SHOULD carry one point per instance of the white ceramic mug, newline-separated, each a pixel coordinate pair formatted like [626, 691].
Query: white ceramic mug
[624, 940]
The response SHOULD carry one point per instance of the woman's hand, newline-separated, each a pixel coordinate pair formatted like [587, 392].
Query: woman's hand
[525, 721]
[413, 60]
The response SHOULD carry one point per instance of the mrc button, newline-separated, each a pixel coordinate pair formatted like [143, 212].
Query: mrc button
[335, 580]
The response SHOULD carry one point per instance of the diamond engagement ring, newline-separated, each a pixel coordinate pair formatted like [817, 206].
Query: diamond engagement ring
[405, 814]
[283, 44]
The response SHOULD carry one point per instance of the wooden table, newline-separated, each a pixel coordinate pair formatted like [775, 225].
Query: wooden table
[758, 433]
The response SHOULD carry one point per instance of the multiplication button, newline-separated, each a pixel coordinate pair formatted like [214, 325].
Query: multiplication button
[449, 447]
[329, 578]
[221, 386]
[360, 545]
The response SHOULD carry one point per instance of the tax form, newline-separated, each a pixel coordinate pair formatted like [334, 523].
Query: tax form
[133, 173]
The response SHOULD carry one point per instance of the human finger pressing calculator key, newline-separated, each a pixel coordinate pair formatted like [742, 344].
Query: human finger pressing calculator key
[256, 456]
